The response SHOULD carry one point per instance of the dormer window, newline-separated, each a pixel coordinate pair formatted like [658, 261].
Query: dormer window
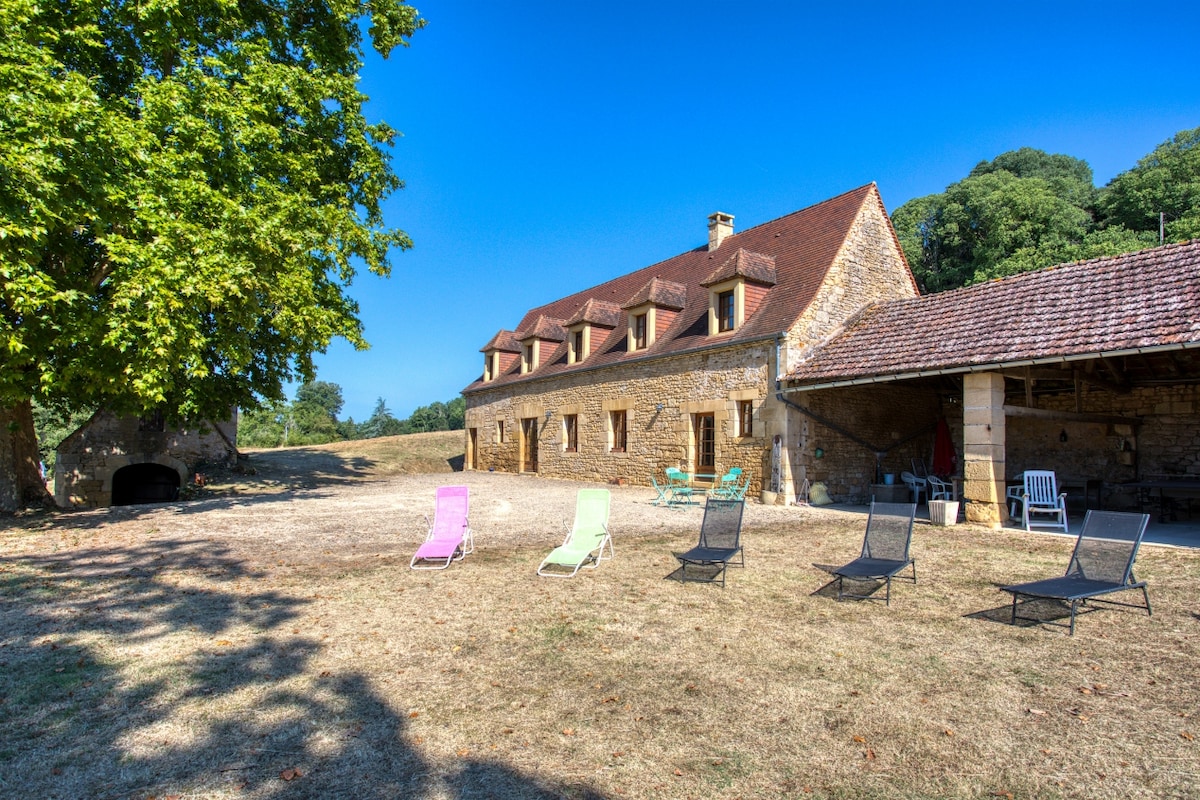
[579, 340]
[528, 357]
[642, 327]
[589, 327]
[651, 311]
[726, 311]
[538, 342]
[500, 355]
[639, 331]
[736, 289]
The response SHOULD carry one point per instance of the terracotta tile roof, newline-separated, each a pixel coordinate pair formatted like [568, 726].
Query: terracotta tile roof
[804, 245]
[596, 312]
[1147, 299]
[743, 264]
[505, 341]
[543, 327]
[664, 294]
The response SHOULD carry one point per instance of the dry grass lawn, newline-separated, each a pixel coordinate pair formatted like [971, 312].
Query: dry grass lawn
[268, 639]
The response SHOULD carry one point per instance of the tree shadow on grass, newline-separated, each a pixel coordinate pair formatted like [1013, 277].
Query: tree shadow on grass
[117, 682]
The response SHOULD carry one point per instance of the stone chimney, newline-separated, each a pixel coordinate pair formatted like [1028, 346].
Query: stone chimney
[720, 225]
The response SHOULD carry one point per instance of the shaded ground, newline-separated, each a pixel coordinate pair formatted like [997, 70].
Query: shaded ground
[270, 641]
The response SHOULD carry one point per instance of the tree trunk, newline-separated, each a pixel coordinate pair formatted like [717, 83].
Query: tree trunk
[21, 482]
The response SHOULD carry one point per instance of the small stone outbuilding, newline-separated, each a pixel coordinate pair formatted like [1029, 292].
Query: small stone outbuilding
[123, 460]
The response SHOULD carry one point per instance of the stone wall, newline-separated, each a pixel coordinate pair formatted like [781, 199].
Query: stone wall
[869, 268]
[1165, 443]
[89, 457]
[851, 425]
[711, 382]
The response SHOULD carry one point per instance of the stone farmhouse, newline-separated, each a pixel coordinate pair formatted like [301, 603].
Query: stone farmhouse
[675, 365]
[801, 351]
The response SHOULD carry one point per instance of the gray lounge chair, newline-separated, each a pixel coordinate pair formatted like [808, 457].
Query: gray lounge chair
[1102, 563]
[720, 543]
[885, 550]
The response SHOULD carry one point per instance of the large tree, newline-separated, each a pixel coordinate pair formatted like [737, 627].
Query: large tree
[1023, 210]
[1166, 183]
[186, 188]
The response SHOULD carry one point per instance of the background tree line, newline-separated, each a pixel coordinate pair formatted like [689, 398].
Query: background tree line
[1028, 209]
[312, 418]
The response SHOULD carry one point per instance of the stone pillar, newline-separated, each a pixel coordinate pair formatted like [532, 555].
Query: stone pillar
[983, 448]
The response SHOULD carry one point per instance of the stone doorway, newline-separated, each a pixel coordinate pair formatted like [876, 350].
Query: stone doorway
[529, 445]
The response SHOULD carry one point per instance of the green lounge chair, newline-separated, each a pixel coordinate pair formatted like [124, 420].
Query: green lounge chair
[586, 539]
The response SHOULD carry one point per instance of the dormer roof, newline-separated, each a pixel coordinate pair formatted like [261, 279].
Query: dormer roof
[544, 328]
[754, 267]
[662, 293]
[596, 312]
[504, 341]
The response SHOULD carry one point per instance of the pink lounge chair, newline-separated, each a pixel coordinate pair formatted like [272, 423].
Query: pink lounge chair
[449, 538]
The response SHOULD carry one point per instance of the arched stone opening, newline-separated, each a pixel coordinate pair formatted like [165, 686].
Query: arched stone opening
[144, 483]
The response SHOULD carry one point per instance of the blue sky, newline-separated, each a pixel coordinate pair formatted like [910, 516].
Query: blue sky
[550, 146]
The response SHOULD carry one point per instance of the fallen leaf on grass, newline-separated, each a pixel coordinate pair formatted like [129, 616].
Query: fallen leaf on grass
[869, 755]
[291, 774]
[1037, 712]
[948, 732]
[568, 731]
[678, 772]
[858, 739]
[464, 753]
[1186, 735]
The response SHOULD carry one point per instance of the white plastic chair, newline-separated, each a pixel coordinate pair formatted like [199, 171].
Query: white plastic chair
[916, 486]
[1041, 497]
[940, 489]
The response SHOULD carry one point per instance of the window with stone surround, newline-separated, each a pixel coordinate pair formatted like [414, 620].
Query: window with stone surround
[706, 442]
[639, 331]
[528, 362]
[500, 431]
[745, 416]
[617, 431]
[570, 433]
